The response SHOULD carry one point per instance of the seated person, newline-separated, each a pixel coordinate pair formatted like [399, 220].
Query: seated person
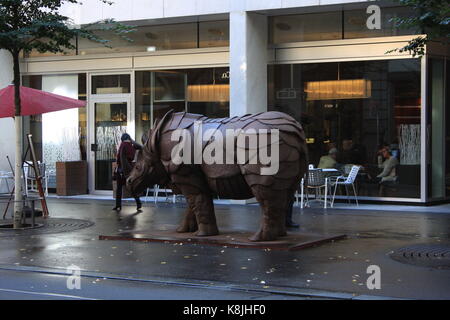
[352, 153]
[389, 165]
[328, 161]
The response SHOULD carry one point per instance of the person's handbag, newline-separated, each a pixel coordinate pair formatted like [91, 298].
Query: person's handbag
[118, 174]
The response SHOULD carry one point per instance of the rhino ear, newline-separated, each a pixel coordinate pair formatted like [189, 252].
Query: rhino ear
[155, 132]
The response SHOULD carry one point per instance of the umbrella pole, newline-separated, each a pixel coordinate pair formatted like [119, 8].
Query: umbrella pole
[38, 177]
[11, 196]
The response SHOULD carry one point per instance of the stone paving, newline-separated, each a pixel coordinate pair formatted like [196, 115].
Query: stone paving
[337, 269]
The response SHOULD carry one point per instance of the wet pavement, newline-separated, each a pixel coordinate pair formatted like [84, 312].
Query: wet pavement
[332, 270]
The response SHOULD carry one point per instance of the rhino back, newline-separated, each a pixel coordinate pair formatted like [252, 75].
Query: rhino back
[231, 180]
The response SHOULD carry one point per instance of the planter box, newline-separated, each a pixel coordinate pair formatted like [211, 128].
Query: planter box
[71, 178]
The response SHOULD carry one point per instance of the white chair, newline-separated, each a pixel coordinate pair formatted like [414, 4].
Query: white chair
[346, 181]
[156, 190]
[30, 178]
[316, 181]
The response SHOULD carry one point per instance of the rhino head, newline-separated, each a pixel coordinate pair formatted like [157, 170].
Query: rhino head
[148, 169]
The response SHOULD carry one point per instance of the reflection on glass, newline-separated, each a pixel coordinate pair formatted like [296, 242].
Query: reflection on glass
[305, 27]
[214, 34]
[67, 52]
[152, 38]
[82, 114]
[436, 85]
[144, 38]
[170, 86]
[203, 91]
[110, 84]
[355, 23]
[110, 124]
[209, 92]
[381, 109]
[33, 124]
[447, 124]
[347, 24]
[143, 117]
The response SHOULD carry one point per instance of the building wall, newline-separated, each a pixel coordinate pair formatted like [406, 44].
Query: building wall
[6, 125]
[124, 10]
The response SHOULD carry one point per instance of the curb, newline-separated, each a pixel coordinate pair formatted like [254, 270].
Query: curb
[192, 283]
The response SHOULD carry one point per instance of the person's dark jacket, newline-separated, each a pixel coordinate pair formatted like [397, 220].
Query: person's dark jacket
[125, 157]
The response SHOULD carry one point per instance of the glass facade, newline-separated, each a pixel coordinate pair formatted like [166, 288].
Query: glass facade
[202, 34]
[436, 124]
[214, 34]
[204, 91]
[111, 84]
[447, 126]
[360, 108]
[371, 112]
[335, 25]
[306, 27]
[62, 135]
[355, 23]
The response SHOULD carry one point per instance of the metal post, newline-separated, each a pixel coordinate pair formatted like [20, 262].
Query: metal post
[38, 177]
[33, 217]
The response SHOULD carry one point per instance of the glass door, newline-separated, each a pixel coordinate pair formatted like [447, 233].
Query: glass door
[111, 120]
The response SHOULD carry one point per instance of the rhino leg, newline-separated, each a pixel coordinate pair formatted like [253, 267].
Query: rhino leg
[189, 223]
[202, 206]
[273, 207]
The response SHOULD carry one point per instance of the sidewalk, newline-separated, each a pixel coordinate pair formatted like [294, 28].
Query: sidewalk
[333, 270]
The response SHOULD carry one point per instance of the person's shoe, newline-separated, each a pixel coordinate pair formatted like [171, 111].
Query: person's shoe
[292, 224]
[117, 208]
[139, 206]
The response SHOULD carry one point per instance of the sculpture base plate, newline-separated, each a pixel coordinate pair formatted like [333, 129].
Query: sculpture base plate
[230, 239]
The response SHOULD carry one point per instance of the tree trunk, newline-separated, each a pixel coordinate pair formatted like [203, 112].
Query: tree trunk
[18, 196]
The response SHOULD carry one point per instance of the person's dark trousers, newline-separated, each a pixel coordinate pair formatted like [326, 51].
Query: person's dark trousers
[119, 193]
[289, 222]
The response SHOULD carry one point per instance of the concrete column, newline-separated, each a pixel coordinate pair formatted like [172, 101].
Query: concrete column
[7, 136]
[248, 62]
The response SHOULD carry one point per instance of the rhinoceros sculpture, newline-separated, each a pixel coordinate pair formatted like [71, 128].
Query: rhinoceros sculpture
[236, 177]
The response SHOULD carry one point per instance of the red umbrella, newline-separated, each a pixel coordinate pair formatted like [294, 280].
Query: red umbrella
[34, 102]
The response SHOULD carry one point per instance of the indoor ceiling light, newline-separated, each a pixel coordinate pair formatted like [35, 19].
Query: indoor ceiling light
[338, 89]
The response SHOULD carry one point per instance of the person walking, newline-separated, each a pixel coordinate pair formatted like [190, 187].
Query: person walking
[124, 161]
